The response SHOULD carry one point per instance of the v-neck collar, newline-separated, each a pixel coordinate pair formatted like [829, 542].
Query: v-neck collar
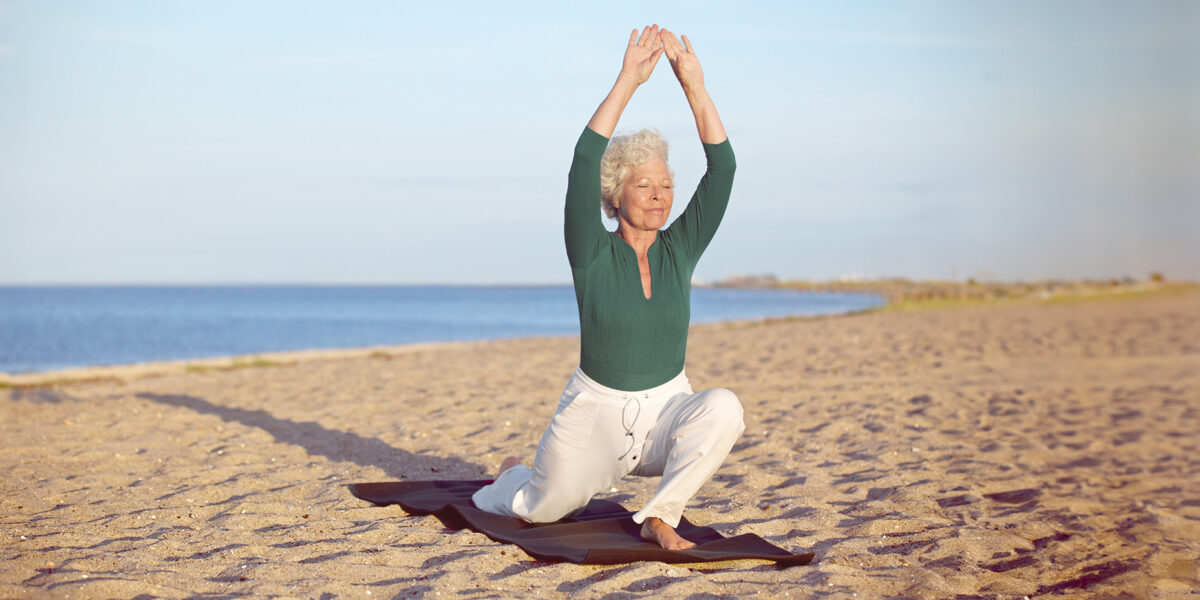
[637, 274]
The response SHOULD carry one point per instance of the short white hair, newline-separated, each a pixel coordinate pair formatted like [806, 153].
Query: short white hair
[626, 152]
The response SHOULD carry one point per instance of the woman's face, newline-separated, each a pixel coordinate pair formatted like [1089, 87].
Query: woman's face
[646, 194]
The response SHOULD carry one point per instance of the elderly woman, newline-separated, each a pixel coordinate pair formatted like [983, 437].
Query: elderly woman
[629, 408]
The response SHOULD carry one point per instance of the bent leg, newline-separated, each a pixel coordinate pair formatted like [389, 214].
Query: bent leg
[693, 435]
[575, 460]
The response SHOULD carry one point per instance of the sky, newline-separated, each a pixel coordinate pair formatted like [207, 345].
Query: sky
[426, 142]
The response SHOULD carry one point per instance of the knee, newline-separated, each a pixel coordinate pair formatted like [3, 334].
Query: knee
[543, 515]
[549, 507]
[548, 513]
[723, 407]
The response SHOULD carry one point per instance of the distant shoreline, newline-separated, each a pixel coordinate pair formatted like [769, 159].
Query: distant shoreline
[899, 294]
[65, 334]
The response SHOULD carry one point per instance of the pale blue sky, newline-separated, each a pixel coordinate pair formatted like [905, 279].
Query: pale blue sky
[398, 142]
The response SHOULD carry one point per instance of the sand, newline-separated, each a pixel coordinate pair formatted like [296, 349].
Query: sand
[988, 450]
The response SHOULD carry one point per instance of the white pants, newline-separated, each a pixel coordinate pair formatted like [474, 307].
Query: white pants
[599, 435]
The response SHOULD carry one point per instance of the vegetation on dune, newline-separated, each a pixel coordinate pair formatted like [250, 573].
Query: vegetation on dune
[904, 294]
[241, 362]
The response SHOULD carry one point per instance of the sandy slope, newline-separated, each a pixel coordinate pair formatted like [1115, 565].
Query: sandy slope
[1000, 451]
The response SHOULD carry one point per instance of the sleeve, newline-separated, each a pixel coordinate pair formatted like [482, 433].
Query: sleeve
[698, 224]
[583, 229]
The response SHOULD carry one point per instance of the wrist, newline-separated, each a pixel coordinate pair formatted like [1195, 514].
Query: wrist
[627, 78]
[694, 90]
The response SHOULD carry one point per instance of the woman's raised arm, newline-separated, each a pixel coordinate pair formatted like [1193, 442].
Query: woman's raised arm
[641, 55]
[687, 70]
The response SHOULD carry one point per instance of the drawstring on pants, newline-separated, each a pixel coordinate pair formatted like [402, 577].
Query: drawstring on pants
[629, 427]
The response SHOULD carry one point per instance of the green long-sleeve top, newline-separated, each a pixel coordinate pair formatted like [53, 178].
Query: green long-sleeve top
[629, 342]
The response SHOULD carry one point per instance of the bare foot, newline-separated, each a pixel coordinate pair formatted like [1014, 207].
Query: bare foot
[508, 463]
[655, 530]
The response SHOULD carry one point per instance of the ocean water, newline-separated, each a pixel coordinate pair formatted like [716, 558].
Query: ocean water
[53, 327]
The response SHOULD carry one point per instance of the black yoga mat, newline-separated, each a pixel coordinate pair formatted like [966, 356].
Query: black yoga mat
[603, 534]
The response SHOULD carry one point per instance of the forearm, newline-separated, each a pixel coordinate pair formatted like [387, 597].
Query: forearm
[708, 122]
[604, 120]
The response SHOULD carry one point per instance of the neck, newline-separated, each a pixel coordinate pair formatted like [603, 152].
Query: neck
[639, 239]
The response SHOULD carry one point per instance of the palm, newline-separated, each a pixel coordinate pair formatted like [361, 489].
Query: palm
[683, 60]
[642, 54]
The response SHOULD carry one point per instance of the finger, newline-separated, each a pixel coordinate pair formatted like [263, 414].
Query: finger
[633, 37]
[679, 49]
[670, 44]
[657, 55]
[675, 40]
[652, 40]
[669, 48]
[645, 39]
[688, 43]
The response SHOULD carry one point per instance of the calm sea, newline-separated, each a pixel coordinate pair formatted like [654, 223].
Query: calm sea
[53, 327]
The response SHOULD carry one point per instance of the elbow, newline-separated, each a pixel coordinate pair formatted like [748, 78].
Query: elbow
[725, 169]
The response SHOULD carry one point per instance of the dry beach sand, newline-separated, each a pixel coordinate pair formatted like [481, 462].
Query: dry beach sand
[1000, 450]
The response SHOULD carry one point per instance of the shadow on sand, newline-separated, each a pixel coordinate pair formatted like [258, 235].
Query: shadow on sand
[332, 444]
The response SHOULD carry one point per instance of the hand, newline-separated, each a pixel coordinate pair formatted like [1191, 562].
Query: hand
[683, 60]
[642, 54]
